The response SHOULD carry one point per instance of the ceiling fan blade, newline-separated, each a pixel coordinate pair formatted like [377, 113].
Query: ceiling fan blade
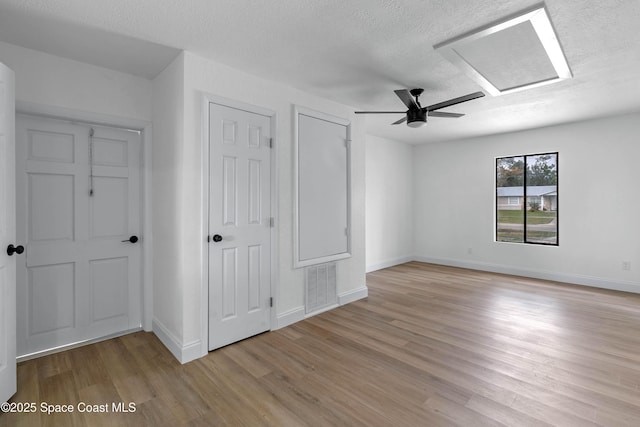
[402, 120]
[406, 97]
[380, 112]
[455, 101]
[443, 114]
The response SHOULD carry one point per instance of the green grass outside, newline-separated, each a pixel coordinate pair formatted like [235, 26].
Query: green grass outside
[517, 217]
[517, 236]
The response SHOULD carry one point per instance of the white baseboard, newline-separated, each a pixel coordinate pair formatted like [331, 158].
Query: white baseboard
[297, 314]
[353, 295]
[184, 353]
[574, 279]
[322, 310]
[388, 263]
[289, 317]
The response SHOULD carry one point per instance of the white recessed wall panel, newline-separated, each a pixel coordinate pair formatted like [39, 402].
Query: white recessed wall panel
[109, 207]
[51, 206]
[51, 147]
[229, 282]
[254, 137]
[229, 190]
[254, 192]
[255, 273]
[229, 130]
[52, 294]
[110, 287]
[110, 152]
[323, 188]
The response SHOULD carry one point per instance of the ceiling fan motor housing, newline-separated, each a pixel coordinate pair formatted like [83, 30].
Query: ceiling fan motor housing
[416, 118]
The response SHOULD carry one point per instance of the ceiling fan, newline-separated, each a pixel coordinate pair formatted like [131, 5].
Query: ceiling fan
[416, 115]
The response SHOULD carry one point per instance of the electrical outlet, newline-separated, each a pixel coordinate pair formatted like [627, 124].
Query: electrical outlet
[626, 265]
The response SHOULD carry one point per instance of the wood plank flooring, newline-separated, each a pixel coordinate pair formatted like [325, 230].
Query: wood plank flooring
[430, 346]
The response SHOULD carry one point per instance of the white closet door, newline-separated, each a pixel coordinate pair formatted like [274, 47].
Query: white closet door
[7, 237]
[239, 223]
[81, 276]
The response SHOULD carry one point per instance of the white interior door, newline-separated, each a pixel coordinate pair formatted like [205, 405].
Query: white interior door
[7, 237]
[81, 277]
[239, 225]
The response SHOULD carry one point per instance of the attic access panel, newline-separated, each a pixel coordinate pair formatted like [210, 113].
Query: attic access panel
[322, 187]
[518, 53]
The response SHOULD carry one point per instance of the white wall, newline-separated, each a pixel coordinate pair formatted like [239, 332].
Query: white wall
[389, 202]
[598, 203]
[204, 76]
[168, 143]
[51, 81]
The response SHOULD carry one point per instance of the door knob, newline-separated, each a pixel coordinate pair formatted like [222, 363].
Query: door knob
[15, 249]
[217, 238]
[131, 239]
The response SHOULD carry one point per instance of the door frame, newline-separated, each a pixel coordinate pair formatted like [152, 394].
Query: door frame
[226, 102]
[145, 129]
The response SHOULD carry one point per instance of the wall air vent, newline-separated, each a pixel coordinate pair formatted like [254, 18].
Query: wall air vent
[320, 287]
[521, 52]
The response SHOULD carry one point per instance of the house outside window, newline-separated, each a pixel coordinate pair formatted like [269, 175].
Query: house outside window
[511, 201]
[533, 178]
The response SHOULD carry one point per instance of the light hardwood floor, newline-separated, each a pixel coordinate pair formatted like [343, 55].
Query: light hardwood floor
[430, 346]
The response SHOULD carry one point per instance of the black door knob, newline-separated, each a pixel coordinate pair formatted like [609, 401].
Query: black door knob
[15, 249]
[217, 238]
[131, 239]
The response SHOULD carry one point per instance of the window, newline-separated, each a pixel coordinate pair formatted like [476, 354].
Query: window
[533, 178]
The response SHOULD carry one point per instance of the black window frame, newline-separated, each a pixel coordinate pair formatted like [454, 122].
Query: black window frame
[525, 199]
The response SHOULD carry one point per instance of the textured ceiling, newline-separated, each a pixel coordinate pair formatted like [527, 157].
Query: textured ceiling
[355, 52]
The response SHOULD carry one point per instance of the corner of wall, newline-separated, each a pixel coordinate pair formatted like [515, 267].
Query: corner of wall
[167, 271]
[183, 353]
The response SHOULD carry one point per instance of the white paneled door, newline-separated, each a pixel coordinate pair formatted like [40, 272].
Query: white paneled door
[239, 225]
[78, 205]
[7, 238]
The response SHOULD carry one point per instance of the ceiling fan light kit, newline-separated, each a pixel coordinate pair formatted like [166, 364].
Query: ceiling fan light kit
[416, 118]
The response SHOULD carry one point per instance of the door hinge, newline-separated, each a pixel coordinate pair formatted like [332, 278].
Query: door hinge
[347, 143]
[270, 142]
[208, 238]
[271, 302]
[272, 222]
[346, 231]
